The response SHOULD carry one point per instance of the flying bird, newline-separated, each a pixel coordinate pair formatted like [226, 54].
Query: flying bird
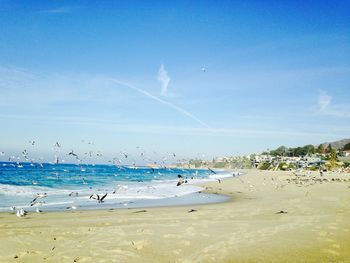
[98, 197]
[38, 196]
[73, 154]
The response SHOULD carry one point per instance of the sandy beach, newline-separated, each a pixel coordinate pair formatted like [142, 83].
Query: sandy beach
[272, 217]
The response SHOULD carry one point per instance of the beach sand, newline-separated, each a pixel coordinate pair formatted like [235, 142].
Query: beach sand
[248, 228]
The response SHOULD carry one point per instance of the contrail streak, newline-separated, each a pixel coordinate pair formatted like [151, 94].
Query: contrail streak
[149, 95]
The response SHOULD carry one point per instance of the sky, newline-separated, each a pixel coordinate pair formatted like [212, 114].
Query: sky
[201, 79]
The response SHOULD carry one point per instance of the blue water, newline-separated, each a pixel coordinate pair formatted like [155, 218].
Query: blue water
[70, 186]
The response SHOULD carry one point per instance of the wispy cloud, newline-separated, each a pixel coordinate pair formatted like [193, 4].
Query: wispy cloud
[325, 106]
[60, 10]
[171, 105]
[164, 79]
[324, 100]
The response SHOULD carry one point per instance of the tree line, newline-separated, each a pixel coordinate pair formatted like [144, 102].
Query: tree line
[305, 150]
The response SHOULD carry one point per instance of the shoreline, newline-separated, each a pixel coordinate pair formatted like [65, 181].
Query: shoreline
[313, 226]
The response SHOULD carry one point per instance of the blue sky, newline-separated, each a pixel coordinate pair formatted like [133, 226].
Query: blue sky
[197, 78]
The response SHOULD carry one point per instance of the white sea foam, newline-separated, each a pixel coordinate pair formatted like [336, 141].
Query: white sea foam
[15, 190]
[220, 176]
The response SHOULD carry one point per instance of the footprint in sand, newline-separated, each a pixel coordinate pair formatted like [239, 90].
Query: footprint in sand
[145, 231]
[330, 252]
[333, 227]
[187, 243]
[329, 240]
[172, 236]
[336, 246]
[322, 233]
[177, 251]
[140, 244]
[190, 231]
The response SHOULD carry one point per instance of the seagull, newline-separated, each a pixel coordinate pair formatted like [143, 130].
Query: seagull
[180, 182]
[38, 196]
[98, 197]
[101, 199]
[72, 153]
[21, 213]
[211, 170]
[282, 212]
[204, 69]
[57, 145]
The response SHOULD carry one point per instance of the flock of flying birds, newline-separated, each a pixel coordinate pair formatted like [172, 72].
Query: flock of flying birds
[17, 161]
[25, 157]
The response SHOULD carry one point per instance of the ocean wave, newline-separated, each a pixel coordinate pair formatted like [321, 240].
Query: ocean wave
[6, 189]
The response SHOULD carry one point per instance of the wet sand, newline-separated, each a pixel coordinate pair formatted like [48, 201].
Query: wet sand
[272, 217]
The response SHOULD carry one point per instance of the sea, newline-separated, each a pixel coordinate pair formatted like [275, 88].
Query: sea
[70, 186]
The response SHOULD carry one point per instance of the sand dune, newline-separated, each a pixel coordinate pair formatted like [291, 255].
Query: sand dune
[272, 217]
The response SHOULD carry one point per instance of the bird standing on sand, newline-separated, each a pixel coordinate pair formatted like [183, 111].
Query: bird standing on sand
[21, 212]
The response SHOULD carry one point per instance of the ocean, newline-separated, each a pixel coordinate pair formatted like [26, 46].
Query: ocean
[69, 186]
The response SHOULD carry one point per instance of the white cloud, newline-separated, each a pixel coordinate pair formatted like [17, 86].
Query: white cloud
[324, 100]
[60, 10]
[164, 79]
[326, 107]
